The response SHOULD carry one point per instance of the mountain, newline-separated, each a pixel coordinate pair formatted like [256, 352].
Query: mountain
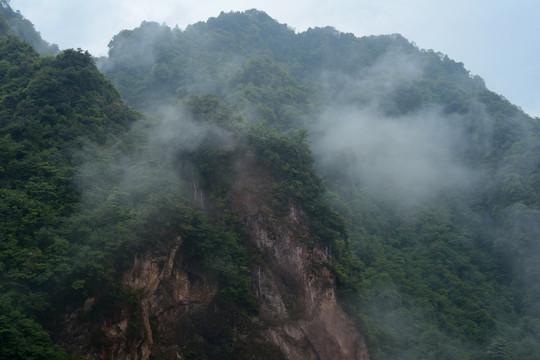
[13, 23]
[275, 195]
[51, 109]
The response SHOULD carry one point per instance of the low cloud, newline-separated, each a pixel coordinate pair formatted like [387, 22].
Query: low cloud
[153, 166]
[410, 154]
[394, 70]
[414, 156]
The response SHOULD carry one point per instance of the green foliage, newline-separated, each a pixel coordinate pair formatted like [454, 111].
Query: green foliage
[450, 278]
[219, 253]
[22, 337]
[211, 109]
[277, 96]
[447, 272]
[291, 163]
[50, 107]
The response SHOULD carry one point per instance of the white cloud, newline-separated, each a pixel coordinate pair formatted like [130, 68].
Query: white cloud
[413, 157]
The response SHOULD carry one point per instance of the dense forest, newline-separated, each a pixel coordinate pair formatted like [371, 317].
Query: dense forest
[418, 182]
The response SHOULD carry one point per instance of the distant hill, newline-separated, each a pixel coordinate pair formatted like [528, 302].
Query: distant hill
[14, 23]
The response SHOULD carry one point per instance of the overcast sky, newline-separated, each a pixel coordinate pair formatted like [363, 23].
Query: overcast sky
[498, 40]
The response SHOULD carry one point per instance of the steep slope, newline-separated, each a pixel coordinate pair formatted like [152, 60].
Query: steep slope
[188, 297]
[425, 164]
[205, 231]
[296, 288]
[50, 109]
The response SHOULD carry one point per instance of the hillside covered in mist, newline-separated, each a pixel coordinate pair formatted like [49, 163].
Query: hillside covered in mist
[239, 190]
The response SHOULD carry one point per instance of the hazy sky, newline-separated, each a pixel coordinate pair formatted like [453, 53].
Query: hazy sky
[496, 39]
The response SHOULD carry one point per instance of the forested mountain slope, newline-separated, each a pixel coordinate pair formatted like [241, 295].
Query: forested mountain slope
[90, 211]
[435, 175]
[51, 109]
[288, 195]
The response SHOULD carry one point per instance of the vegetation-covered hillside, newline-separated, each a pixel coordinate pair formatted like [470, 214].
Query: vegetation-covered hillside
[51, 109]
[434, 174]
[414, 183]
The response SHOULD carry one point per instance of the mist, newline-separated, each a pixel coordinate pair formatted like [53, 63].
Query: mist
[413, 156]
[391, 147]
[400, 321]
[147, 162]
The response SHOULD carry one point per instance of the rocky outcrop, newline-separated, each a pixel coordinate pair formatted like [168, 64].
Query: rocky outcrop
[174, 315]
[168, 299]
[295, 289]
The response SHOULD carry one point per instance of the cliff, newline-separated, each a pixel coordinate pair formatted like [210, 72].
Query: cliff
[177, 313]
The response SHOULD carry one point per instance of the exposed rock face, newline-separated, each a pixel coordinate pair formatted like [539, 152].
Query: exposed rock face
[299, 316]
[169, 298]
[296, 290]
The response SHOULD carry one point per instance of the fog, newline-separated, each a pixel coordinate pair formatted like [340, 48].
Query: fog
[406, 157]
[413, 156]
[148, 161]
[413, 332]
[423, 156]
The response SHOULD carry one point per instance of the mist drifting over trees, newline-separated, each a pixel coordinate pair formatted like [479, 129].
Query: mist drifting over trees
[415, 183]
